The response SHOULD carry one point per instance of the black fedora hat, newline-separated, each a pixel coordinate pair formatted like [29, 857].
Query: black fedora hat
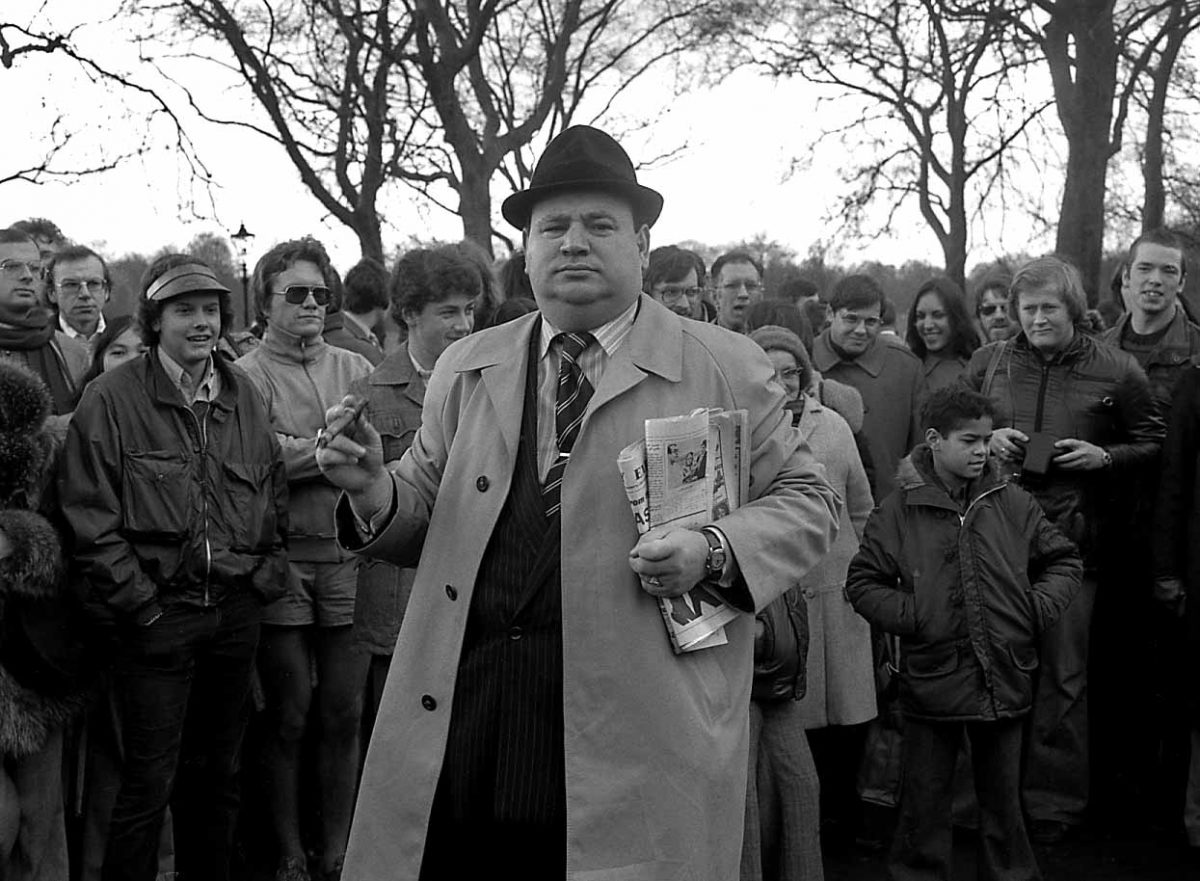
[583, 158]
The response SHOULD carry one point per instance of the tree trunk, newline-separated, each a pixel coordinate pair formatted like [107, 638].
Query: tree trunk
[1154, 202]
[1084, 97]
[1081, 220]
[475, 205]
[954, 252]
[370, 237]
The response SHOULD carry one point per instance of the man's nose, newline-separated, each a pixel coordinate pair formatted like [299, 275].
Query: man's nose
[574, 240]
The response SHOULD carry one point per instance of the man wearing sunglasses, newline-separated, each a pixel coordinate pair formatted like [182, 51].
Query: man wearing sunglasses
[27, 331]
[991, 308]
[300, 376]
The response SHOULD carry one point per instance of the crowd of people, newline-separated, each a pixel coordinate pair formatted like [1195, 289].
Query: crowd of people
[382, 530]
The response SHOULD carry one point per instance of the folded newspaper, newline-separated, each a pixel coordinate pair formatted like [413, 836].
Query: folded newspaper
[689, 471]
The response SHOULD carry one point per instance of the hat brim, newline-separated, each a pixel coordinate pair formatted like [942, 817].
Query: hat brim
[647, 204]
[190, 278]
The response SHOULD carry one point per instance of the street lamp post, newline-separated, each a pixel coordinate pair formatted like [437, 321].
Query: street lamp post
[241, 240]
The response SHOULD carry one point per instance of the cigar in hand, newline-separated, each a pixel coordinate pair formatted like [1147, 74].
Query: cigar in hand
[352, 408]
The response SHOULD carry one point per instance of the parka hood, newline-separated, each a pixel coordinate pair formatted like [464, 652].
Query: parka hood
[916, 471]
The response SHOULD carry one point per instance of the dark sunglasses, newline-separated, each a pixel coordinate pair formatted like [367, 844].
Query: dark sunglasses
[992, 308]
[298, 293]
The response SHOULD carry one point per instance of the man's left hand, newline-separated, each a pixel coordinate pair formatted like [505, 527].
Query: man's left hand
[669, 560]
[1078, 455]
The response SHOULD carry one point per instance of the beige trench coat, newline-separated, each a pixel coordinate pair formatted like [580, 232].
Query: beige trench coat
[655, 744]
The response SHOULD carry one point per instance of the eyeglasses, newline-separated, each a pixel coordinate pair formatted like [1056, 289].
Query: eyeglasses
[73, 286]
[790, 373]
[18, 268]
[674, 295]
[298, 293]
[991, 308]
[850, 319]
[732, 287]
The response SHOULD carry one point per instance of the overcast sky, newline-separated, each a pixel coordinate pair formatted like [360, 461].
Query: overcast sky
[731, 183]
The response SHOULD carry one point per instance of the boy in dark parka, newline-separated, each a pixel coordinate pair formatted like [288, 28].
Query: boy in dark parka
[968, 571]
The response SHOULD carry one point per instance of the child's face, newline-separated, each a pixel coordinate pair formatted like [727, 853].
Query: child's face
[964, 451]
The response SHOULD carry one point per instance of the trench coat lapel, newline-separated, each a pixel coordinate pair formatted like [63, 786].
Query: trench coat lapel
[502, 359]
[654, 345]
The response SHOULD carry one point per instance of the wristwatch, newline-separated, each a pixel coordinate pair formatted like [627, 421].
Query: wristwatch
[718, 556]
[1107, 459]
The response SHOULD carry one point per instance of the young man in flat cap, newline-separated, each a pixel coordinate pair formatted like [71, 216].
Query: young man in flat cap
[535, 723]
[174, 492]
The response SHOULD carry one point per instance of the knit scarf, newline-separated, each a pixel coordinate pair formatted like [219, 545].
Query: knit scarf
[27, 337]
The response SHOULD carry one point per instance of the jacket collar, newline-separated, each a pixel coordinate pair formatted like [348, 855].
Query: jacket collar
[807, 422]
[826, 357]
[164, 390]
[916, 478]
[290, 347]
[397, 369]
[1175, 340]
[1074, 350]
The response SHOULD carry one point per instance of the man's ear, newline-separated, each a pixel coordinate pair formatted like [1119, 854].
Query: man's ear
[933, 437]
[643, 240]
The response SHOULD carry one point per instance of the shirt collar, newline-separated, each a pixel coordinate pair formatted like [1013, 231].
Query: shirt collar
[206, 390]
[74, 334]
[610, 335]
[417, 366]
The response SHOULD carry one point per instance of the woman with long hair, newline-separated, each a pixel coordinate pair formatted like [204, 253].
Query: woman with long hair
[940, 332]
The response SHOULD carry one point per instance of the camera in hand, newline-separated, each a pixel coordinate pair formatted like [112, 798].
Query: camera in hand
[1039, 451]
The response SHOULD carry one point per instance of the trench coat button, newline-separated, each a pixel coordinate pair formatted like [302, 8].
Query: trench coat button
[451, 591]
[482, 484]
[515, 632]
[428, 702]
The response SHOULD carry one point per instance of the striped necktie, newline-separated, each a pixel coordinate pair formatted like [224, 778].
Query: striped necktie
[574, 392]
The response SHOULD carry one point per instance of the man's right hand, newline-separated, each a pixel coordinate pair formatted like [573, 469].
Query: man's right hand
[1008, 444]
[354, 461]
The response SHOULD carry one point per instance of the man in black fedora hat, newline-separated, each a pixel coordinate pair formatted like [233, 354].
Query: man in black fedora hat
[536, 723]
[173, 487]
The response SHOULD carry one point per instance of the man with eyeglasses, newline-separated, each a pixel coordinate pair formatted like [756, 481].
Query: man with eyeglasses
[300, 376]
[887, 375]
[737, 280]
[991, 308]
[676, 277]
[45, 234]
[78, 285]
[27, 331]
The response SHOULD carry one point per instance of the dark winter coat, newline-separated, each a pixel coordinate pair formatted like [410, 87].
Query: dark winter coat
[1171, 357]
[169, 507]
[968, 591]
[1089, 391]
[889, 377]
[781, 649]
[1177, 515]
